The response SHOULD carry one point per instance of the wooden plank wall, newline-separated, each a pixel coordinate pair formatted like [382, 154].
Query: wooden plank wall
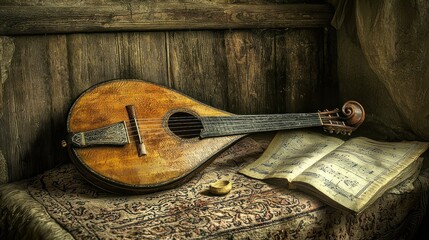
[244, 70]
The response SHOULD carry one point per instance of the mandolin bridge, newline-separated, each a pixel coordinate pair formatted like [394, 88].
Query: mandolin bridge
[115, 134]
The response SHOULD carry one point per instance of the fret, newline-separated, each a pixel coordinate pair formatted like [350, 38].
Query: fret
[245, 124]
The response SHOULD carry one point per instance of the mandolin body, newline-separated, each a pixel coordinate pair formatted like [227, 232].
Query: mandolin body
[168, 159]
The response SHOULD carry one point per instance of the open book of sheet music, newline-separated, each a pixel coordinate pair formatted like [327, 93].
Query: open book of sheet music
[345, 174]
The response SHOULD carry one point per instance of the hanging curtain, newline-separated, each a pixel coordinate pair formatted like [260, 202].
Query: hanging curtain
[393, 38]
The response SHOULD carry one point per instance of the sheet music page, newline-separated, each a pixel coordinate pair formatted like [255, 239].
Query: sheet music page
[290, 153]
[353, 173]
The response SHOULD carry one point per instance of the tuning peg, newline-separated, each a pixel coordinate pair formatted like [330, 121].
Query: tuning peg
[347, 132]
[331, 130]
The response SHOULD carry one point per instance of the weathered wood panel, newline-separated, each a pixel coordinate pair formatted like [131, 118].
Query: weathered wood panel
[26, 120]
[148, 15]
[100, 57]
[251, 71]
[301, 71]
[198, 67]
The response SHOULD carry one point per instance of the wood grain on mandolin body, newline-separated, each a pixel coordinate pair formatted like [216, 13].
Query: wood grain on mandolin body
[179, 135]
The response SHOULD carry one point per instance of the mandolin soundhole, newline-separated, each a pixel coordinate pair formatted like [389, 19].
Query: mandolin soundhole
[185, 125]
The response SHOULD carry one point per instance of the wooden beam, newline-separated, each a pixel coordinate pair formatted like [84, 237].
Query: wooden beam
[134, 16]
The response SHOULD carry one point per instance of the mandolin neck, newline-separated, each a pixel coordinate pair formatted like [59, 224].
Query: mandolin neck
[246, 124]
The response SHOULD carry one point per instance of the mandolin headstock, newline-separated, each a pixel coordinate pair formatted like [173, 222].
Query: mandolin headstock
[343, 121]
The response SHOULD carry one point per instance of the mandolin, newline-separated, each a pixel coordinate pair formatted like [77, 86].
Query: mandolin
[131, 136]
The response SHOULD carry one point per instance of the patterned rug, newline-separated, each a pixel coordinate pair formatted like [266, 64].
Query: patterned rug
[253, 209]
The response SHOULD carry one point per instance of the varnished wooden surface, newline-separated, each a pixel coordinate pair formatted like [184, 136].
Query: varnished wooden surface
[31, 18]
[168, 157]
[241, 71]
